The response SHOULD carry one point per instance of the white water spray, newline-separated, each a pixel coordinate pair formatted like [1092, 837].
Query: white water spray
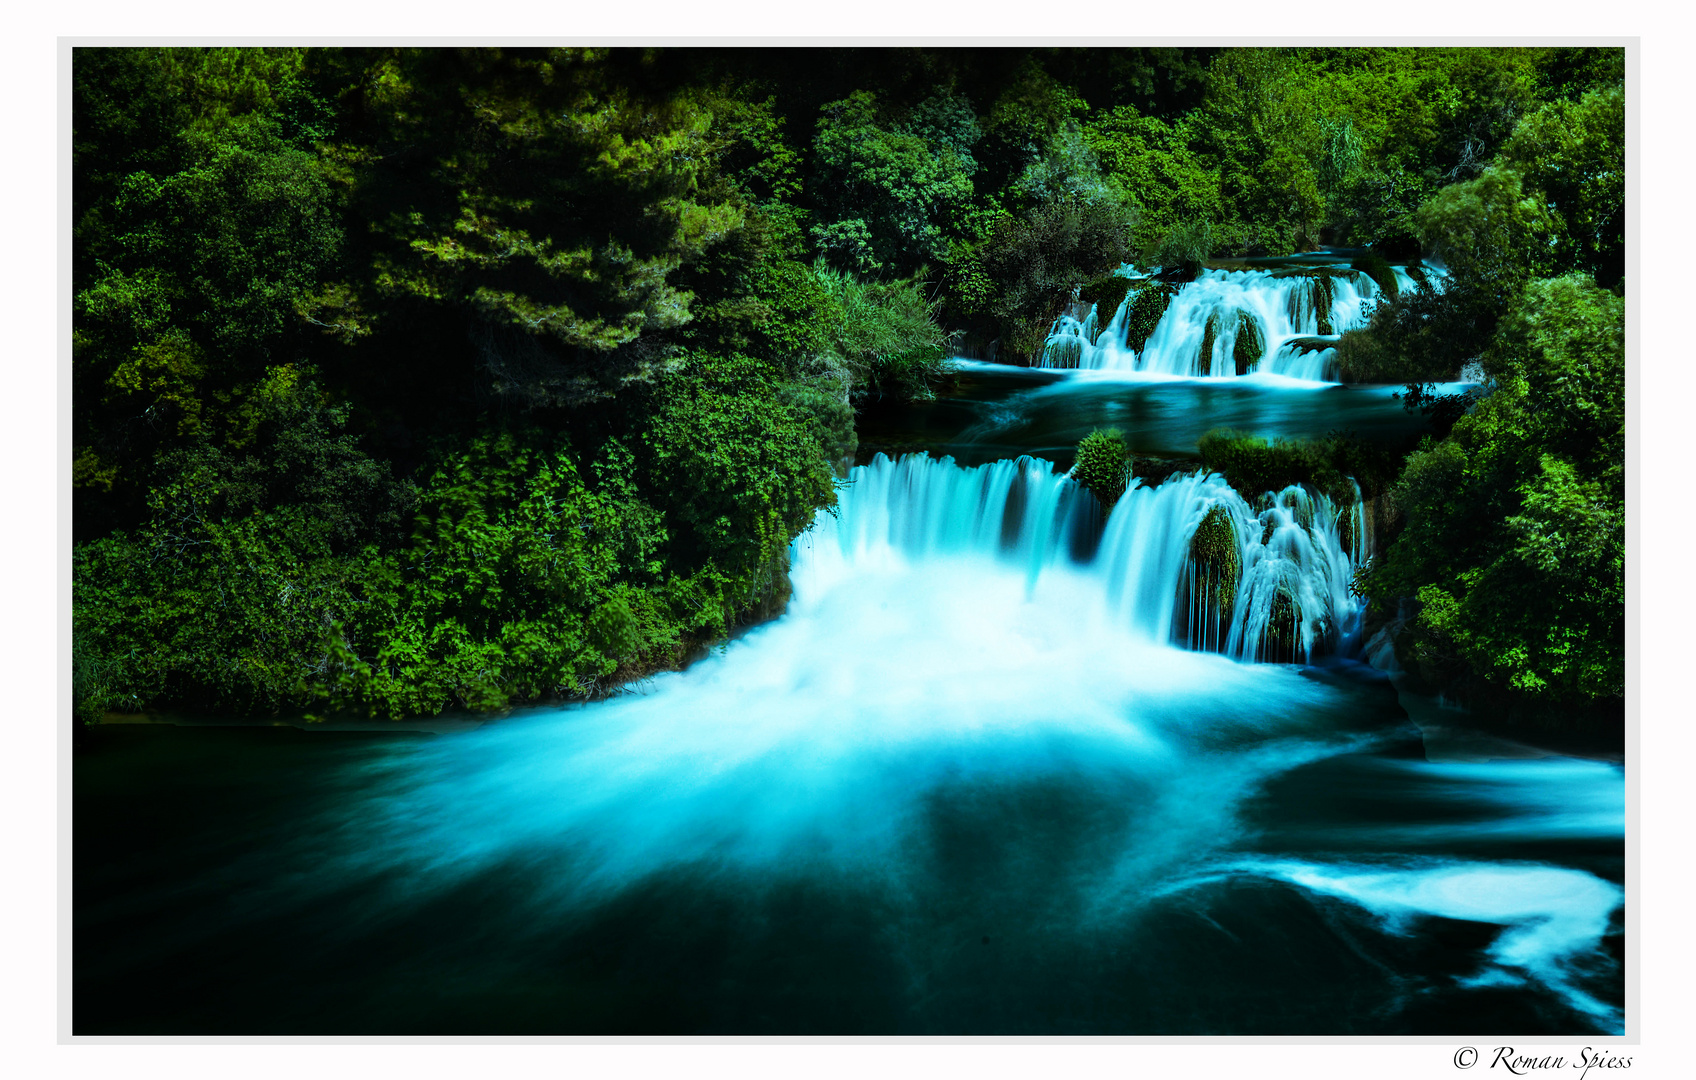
[1296, 552]
[1292, 319]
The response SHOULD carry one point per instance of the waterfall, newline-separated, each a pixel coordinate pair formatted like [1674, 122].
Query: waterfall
[1230, 322]
[1279, 590]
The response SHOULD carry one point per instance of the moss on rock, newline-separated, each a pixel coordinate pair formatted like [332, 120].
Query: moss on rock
[1282, 635]
[1250, 343]
[1322, 304]
[1148, 306]
[1103, 465]
[1204, 362]
[1106, 293]
[1217, 561]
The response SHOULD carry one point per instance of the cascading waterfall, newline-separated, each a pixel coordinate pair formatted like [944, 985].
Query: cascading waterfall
[1287, 322]
[1294, 554]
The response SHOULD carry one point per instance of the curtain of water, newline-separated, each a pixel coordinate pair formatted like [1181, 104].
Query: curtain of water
[1292, 320]
[1296, 552]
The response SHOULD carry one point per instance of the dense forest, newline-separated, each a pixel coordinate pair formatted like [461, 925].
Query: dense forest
[417, 379]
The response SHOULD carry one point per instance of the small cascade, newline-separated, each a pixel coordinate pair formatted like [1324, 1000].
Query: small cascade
[1230, 322]
[1070, 338]
[1189, 562]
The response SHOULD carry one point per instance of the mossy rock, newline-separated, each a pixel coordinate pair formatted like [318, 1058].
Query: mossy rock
[1102, 465]
[1106, 293]
[1309, 344]
[1148, 307]
[1204, 361]
[1250, 343]
[1346, 518]
[1282, 632]
[1322, 304]
[1213, 549]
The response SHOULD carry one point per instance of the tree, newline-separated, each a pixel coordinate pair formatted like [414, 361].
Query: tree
[1515, 537]
[1573, 152]
[890, 195]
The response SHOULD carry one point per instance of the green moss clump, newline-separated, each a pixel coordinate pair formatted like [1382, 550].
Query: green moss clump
[1204, 362]
[1103, 465]
[1147, 308]
[1254, 465]
[1250, 343]
[1106, 293]
[1322, 304]
[1217, 562]
[1346, 527]
[1281, 627]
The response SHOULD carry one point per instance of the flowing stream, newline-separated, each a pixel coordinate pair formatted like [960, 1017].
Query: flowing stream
[1008, 763]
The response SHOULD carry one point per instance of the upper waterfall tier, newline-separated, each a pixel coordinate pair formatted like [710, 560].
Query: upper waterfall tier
[1266, 581]
[1226, 323]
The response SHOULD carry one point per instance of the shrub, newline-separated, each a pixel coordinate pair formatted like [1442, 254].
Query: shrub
[1036, 259]
[885, 335]
[1103, 465]
[1254, 465]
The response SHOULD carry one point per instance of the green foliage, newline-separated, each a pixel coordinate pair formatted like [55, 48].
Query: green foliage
[250, 551]
[1034, 261]
[1254, 465]
[1492, 234]
[557, 207]
[891, 195]
[1173, 189]
[1515, 538]
[736, 474]
[1103, 465]
[508, 590]
[1266, 147]
[1187, 244]
[190, 279]
[885, 335]
[1573, 152]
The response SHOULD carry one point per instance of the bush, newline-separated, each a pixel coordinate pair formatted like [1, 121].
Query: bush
[1515, 540]
[1254, 465]
[1188, 244]
[885, 335]
[1103, 465]
[1037, 259]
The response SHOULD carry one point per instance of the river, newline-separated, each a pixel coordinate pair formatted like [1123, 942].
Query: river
[996, 769]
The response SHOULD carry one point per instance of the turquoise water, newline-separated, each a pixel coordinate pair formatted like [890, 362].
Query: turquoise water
[973, 780]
